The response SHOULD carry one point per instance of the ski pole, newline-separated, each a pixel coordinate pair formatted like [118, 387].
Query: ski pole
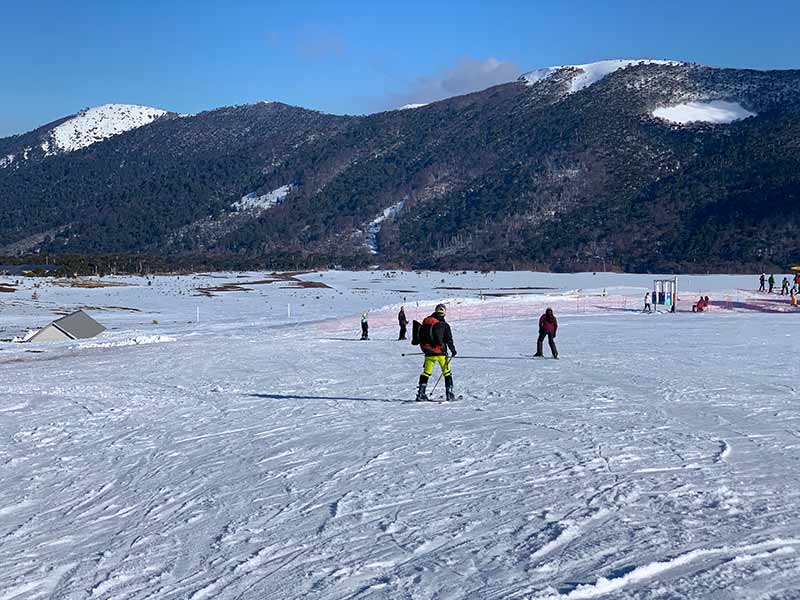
[492, 357]
[472, 357]
[437, 383]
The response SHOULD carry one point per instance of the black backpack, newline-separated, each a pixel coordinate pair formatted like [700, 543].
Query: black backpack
[415, 326]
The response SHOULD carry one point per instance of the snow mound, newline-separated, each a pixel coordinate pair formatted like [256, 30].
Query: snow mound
[26, 336]
[716, 111]
[253, 201]
[139, 340]
[590, 73]
[99, 123]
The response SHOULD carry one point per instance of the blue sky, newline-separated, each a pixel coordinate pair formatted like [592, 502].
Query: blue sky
[348, 57]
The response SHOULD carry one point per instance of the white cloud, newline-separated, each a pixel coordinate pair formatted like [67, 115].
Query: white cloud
[468, 75]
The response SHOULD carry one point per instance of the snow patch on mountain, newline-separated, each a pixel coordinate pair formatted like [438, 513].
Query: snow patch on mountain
[590, 73]
[99, 123]
[715, 111]
[253, 201]
[413, 105]
[374, 226]
[6, 161]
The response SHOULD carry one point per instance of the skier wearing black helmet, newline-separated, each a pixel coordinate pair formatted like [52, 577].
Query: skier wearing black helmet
[435, 338]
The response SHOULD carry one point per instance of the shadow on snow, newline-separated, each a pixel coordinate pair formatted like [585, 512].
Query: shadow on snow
[301, 397]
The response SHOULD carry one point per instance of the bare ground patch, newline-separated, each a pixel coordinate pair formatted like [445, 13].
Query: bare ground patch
[290, 280]
[89, 283]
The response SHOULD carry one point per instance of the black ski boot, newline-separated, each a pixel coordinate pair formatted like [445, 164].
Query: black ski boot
[421, 395]
[448, 389]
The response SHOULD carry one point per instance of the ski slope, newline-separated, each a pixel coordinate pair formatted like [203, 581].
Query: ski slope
[264, 452]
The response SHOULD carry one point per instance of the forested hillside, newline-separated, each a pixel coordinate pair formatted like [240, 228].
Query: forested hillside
[568, 168]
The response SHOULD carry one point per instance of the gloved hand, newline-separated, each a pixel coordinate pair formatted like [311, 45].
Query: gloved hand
[454, 353]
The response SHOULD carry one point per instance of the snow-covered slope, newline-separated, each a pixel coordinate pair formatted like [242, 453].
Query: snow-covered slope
[716, 111]
[374, 226]
[99, 123]
[253, 201]
[413, 105]
[256, 455]
[588, 74]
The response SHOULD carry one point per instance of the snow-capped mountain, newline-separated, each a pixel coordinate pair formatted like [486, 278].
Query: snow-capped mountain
[582, 76]
[75, 132]
[100, 123]
[642, 164]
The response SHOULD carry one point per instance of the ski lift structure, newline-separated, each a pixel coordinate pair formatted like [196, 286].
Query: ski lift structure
[665, 293]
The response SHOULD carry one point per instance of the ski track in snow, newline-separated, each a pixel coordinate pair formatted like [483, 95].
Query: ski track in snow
[255, 456]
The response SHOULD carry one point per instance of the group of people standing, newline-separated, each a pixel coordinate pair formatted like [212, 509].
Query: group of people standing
[787, 287]
[435, 338]
[792, 289]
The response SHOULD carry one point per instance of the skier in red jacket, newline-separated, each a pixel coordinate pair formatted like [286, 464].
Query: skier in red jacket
[548, 326]
[435, 338]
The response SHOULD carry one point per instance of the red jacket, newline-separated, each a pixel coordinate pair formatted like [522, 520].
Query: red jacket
[435, 336]
[547, 325]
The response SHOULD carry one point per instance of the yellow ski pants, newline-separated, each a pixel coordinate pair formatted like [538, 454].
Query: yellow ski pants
[444, 364]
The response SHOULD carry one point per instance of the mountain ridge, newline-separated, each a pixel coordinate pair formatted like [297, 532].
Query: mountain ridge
[521, 174]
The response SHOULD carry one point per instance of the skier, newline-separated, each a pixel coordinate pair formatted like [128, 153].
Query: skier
[647, 307]
[785, 286]
[771, 282]
[548, 326]
[762, 280]
[435, 337]
[364, 326]
[403, 321]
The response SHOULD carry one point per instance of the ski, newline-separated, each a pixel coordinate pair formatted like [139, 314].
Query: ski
[436, 400]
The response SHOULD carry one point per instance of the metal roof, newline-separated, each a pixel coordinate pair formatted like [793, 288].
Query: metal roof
[76, 326]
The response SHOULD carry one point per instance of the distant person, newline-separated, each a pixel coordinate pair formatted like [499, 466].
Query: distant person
[548, 327]
[364, 326]
[700, 305]
[403, 321]
[435, 338]
[762, 280]
[771, 282]
[794, 299]
[647, 308]
[785, 286]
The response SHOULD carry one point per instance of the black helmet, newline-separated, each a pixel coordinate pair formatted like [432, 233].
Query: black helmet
[440, 309]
